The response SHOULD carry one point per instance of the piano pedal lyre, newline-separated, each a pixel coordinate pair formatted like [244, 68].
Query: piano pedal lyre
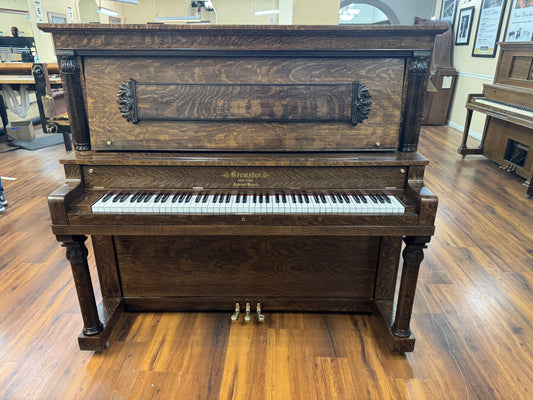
[235, 315]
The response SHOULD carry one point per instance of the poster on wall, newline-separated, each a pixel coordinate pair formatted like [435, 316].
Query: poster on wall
[520, 22]
[38, 8]
[488, 28]
[70, 14]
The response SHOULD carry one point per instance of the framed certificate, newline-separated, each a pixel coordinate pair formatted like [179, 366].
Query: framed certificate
[488, 28]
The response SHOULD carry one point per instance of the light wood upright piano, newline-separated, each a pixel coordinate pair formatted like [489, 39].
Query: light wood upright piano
[245, 169]
[508, 103]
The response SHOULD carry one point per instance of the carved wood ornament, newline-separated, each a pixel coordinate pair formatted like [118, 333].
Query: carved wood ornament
[128, 102]
[360, 102]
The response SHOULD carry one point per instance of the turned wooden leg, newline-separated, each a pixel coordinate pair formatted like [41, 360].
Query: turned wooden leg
[464, 146]
[77, 255]
[413, 255]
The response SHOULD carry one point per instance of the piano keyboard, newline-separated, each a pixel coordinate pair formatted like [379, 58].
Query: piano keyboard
[204, 203]
[506, 108]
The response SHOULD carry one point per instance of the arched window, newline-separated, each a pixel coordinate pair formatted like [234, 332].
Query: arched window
[366, 12]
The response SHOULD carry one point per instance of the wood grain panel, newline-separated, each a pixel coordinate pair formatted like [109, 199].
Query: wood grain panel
[244, 102]
[154, 177]
[241, 266]
[109, 131]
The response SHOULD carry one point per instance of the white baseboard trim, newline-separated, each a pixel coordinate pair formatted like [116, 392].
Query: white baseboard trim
[461, 128]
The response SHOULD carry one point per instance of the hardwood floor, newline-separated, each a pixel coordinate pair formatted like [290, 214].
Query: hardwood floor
[472, 317]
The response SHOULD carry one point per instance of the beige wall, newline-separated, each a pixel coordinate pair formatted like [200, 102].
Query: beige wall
[22, 22]
[473, 71]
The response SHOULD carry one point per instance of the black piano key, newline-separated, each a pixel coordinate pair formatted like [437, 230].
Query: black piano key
[117, 197]
[363, 198]
[165, 198]
[306, 197]
[221, 198]
[261, 198]
[228, 198]
[107, 197]
[238, 198]
[158, 197]
[293, 196]
[317, 199]
[323, 198]
[148, 197]
[277, 197]
[300, 198]
[204, 199]
[339, 198]
[380, 199]
[215, 198]
[345, 197]
[244, 198]
[267, 198]
[373, 198]
[356, 198]
[176, 197]
[183, 197]
[283, 197]
[124, 197]
[188, 197]
[135, 197]
[386, 198]
[141, 197]
[255, 198]
[198, 198]
[333, 199]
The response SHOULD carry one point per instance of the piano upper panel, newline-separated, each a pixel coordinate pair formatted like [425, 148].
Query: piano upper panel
[241, 88]
[247, 103]
[515, 65]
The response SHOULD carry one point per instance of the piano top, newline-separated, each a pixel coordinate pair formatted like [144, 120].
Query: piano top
[215, 37]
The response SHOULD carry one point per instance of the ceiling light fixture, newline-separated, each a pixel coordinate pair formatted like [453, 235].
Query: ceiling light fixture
[107, 11]
[127, 1]
[191, 18]
[266, 12]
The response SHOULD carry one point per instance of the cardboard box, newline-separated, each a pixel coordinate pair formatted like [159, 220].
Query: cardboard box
[21, 130]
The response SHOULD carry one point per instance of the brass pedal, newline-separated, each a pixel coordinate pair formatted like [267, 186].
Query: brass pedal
[235, 315]
[260, 317]
[247, 316]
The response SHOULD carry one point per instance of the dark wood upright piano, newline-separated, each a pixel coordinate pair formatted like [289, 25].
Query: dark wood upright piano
[245, 169]
[508, 103]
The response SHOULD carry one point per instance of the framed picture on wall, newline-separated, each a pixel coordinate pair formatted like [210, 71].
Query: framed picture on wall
[464, 26]
[520, 21]
[488, 28]
[447, 12]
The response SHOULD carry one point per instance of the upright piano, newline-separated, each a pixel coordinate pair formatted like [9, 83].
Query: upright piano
[508, 103]
[245, 169]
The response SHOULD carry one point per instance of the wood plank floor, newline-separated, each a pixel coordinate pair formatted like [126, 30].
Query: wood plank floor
[473, 313]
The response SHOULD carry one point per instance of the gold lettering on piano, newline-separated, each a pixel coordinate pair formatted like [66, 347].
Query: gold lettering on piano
[245, 179]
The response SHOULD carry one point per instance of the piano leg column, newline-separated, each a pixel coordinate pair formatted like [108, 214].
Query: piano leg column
[413, 255]
[77, 255]
[466, 129]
